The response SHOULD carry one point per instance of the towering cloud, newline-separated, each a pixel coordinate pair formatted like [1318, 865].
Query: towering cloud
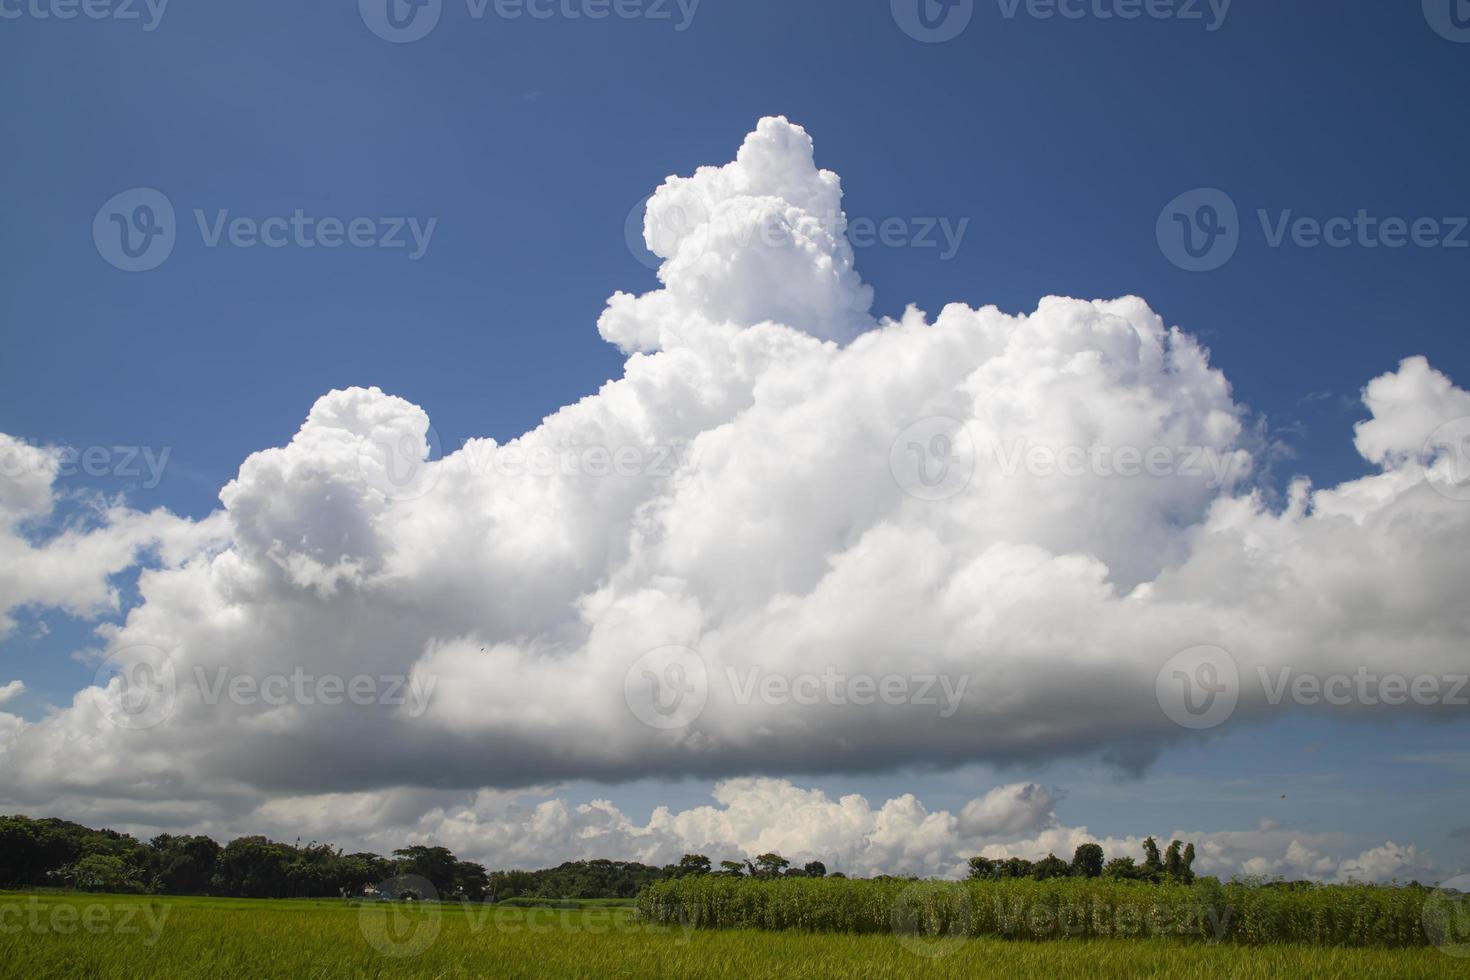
[805, 541]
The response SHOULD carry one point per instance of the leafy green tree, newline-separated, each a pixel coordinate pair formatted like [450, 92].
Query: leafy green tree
[471, 883]
[769, 865]
[1123, 868]
[434, 864]
[1153, 862]
[1015, 868]
[254, 867]
[732, 869]
[183, 865]
[814, 869]
[1087, 861]
[1050, 866]
[984, 869]
[692, 864]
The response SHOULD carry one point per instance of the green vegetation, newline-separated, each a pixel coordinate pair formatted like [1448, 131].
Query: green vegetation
[61, 937]
[59, 853]
[1052, 908]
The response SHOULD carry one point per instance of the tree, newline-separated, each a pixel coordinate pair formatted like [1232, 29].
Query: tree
[814, 869]
[101, 873]
[732, 869]
[1153, 864]
[1050, 866]
[434, 864]
[470, 881]
[692, 864]
[1015, 868]
[183, 865]
[1174, 861]
[1189, 862]
[253, 867]
[1087, 861]
[769, 865]
[984, 869]
[1122, 868]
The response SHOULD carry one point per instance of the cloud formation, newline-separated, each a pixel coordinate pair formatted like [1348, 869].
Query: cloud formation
[1046, 506]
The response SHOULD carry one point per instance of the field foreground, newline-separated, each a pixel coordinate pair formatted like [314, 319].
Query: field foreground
[84, 936]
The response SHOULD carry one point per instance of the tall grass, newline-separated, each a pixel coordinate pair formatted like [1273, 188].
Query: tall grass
[230, 939]
[1323, 915]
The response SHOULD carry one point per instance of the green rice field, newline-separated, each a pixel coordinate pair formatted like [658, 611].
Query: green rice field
[50, 935]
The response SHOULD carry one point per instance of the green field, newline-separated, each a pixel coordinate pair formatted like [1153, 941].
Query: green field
[81, 936]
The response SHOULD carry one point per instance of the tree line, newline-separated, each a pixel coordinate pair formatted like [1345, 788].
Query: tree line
[59, 853]
[1174, 865]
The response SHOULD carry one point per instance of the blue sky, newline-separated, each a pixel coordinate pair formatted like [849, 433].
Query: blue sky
[531, 140]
